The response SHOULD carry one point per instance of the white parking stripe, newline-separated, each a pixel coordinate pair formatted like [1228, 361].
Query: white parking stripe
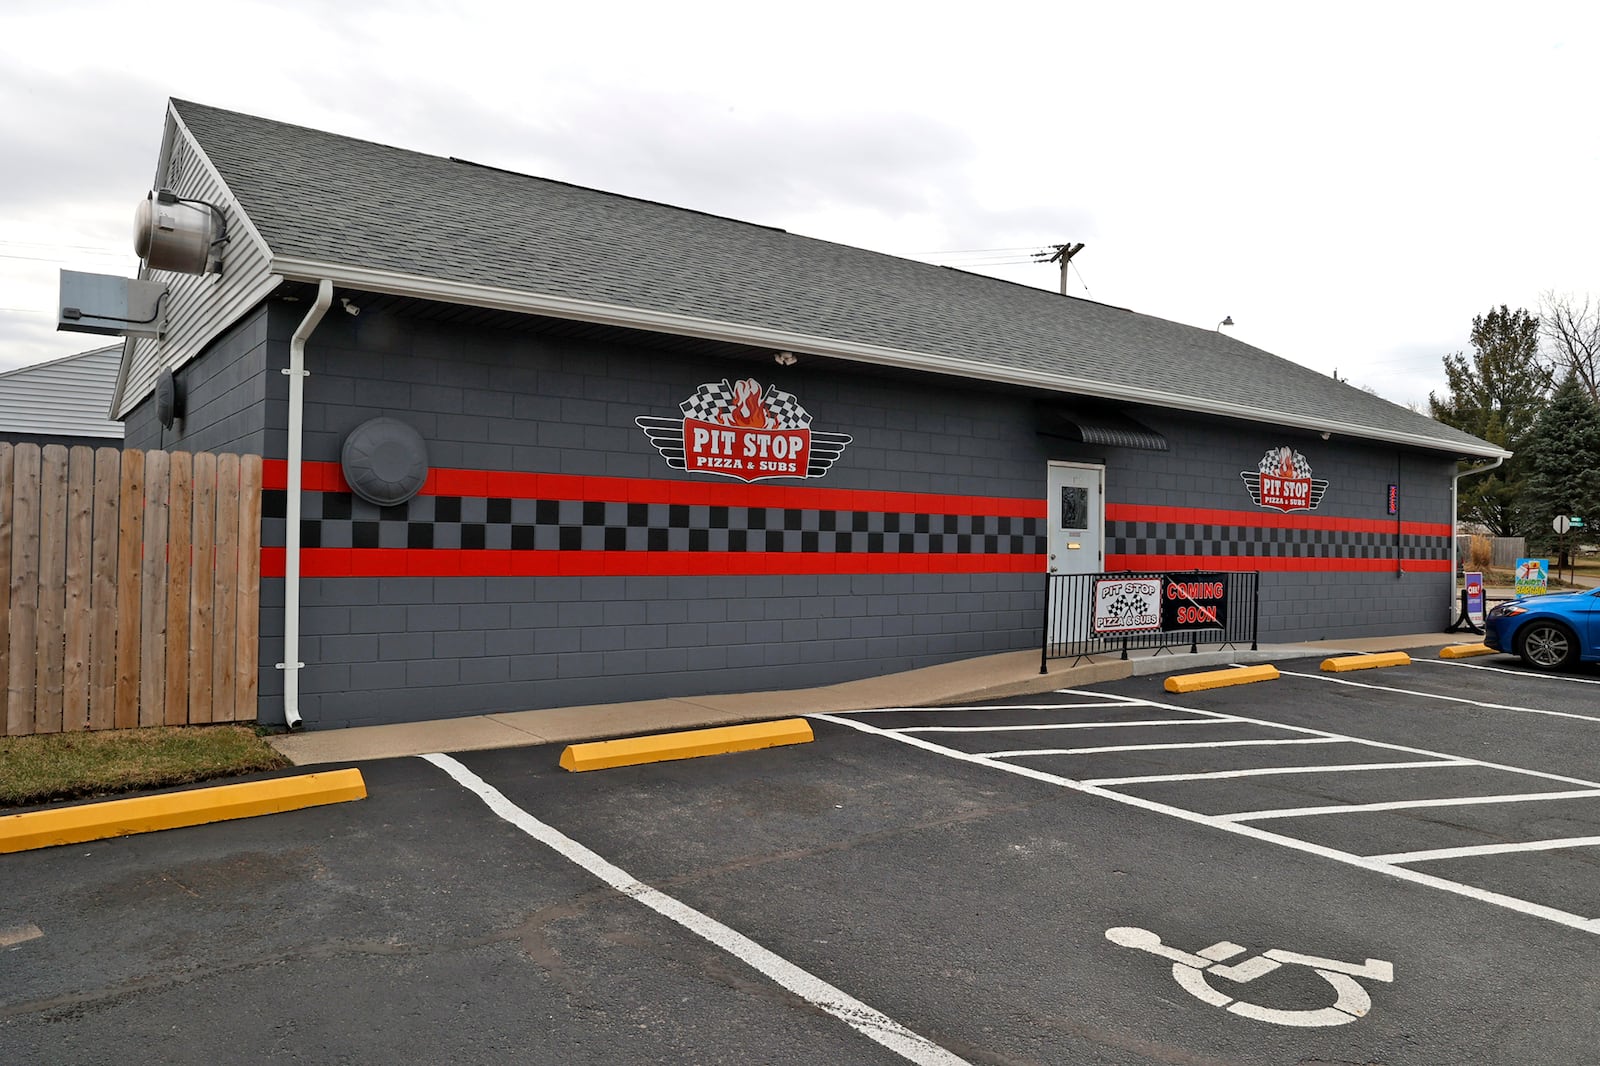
[1403, 805]
[1507, 670]
[1165, 747]
[854, 1013]
[19, 934]
[1269, 771]
[1402, 873]
[1487, 849]
[1382, 744]
[1055, 725]
[1437, 696]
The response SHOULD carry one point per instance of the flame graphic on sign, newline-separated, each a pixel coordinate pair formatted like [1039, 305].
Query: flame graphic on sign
[748, 409]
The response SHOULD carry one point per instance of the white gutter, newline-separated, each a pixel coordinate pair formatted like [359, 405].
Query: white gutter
[1455, 522]
[296, 372]
[474, 295]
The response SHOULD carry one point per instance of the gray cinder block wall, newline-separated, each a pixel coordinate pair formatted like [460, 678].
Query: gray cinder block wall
[389, 647]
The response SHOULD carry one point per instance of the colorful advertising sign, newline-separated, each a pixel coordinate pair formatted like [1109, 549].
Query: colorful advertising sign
[1474, 595]
[1282, 481]
[1533, 577]
[1194, 601]
[736, 430]
[1127, 605]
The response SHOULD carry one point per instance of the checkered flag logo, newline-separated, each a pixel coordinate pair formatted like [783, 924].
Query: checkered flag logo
[711, 402]
[1289, 465]
[743, 405]
[1124, 610]
[716, 402]
[1127, 606]
[784, 410]
[1284, 462]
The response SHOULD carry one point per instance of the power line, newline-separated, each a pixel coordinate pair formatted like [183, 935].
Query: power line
[976, 251]
[52, 244]
[985, 262]
[1078, 272]
[62, 258]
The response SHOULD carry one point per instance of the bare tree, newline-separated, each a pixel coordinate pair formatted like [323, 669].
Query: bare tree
[1570, 326]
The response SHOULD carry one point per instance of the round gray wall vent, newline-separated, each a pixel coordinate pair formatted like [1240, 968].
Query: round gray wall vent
[167, 405]
[385, 461]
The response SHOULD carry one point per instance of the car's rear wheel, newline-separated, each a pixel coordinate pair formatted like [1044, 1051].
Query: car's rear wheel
[1547, 645]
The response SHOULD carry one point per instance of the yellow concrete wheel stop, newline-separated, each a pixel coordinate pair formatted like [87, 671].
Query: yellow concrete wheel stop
[1220, 678]
[690, 744]
[173, 810]
[1465, 651]
[1346, 663]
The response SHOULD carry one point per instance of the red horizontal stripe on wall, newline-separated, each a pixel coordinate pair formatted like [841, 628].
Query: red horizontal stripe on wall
[328, 477]
[432, 562]
[1128, 512]
[1250, 562]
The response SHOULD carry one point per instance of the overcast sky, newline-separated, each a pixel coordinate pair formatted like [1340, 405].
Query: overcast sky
[1350, 182]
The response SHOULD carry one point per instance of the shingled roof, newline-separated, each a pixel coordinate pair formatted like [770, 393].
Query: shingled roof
[384, 219]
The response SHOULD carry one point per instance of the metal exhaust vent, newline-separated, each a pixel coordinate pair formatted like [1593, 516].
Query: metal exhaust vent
[178, 234]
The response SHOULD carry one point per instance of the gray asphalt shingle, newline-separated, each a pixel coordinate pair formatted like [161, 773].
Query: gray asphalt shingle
[334, 199]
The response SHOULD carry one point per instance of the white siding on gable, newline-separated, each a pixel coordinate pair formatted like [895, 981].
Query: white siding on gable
[199, 306]
[65, 397]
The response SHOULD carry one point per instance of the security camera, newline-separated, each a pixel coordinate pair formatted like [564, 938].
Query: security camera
[350, 308]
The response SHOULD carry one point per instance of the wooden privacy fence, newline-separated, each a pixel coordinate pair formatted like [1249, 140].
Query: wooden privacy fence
[134, 587]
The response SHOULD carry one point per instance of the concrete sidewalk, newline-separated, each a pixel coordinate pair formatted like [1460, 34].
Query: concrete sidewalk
[988, 677]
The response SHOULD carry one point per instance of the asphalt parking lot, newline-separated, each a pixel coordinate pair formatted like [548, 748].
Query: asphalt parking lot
[1385, 867]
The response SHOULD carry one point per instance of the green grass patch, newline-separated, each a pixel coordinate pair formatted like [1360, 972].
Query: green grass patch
[60, 766]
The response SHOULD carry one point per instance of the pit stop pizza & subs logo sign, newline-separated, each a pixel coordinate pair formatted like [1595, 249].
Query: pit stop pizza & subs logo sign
[1282, 481]
[1167, 603]
[736, 430]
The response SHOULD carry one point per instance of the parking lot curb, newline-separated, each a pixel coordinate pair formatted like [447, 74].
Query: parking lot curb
[1220, 678]
[174, 810]
[689, 744]
[1463, 651]
[1345, 663]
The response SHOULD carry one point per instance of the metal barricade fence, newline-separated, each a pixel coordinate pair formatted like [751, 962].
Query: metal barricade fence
[1090, 614]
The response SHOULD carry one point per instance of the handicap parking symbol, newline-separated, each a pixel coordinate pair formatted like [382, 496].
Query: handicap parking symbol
[1192, 971]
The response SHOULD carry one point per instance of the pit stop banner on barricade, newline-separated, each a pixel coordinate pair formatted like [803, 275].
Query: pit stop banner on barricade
[1194, 601]
[1167, 603]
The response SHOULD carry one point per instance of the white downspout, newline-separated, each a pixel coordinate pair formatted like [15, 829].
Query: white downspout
[296, 372]
[1455, 524]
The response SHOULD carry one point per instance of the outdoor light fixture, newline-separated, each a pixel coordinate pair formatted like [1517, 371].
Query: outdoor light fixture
[1225, 322]
[785, 359]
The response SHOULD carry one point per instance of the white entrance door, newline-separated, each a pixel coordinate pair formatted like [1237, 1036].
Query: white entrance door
[1076, 546]
[1077, 518]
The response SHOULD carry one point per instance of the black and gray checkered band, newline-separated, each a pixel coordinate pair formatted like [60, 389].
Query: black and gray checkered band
[338, 520]
[1174, 538]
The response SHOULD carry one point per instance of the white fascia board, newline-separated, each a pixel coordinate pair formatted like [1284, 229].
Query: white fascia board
[516, 300]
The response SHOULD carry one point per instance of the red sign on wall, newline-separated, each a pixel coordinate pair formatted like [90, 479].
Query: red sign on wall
[746, 452]
[1283, 482]
[736, 430]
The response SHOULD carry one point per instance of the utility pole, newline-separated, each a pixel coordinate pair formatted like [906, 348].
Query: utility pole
[1059, 253]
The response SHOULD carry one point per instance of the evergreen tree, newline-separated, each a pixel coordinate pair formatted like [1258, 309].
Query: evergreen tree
[1563, 464]
[1496, 393]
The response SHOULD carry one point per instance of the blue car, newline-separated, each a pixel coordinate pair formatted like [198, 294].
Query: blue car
[1550, 632]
